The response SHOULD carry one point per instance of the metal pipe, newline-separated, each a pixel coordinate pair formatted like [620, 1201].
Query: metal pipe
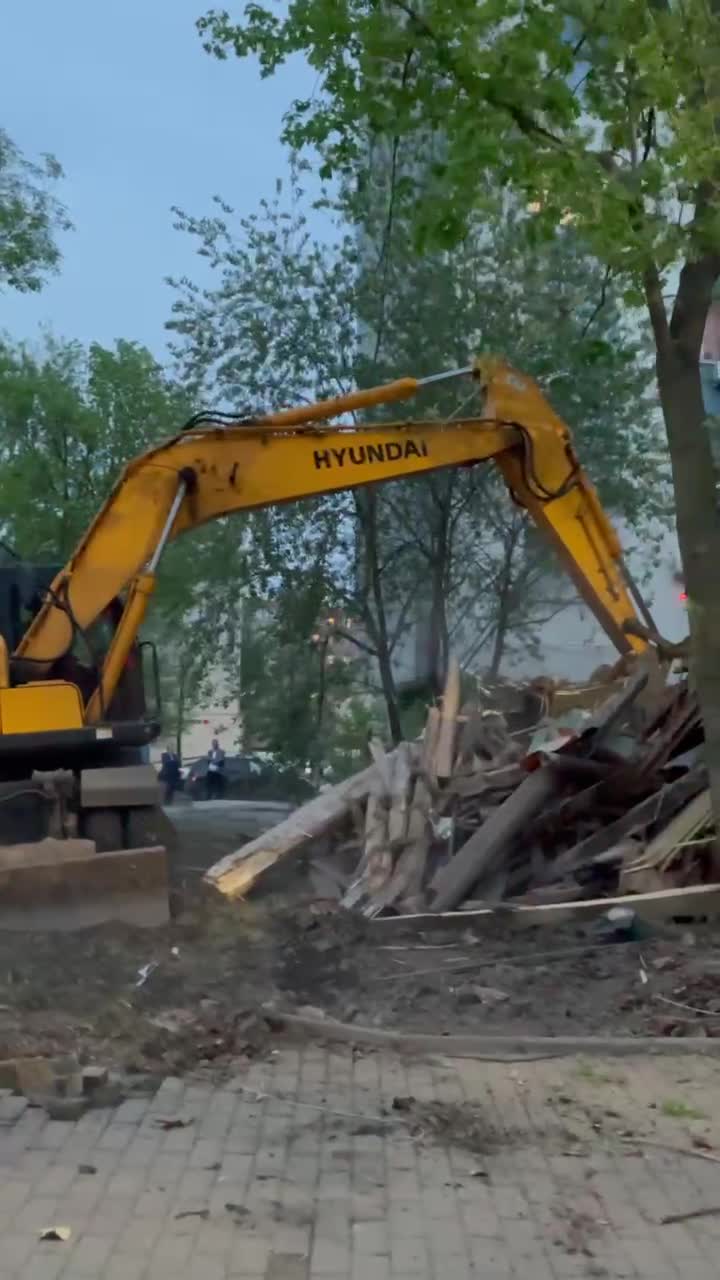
[446, 377]
[175, 506]
[401, 389]
[126, 632]
[638, 597]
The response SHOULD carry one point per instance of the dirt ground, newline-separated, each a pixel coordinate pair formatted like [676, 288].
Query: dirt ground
[165, 1001]
[169, 1000]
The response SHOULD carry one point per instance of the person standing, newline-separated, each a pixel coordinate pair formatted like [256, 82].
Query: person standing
[215, 780]
[169, 773]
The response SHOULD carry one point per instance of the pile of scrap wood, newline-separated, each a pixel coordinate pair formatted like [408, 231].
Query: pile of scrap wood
[474, 813]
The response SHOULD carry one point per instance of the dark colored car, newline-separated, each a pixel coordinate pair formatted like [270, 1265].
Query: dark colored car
[250, 778]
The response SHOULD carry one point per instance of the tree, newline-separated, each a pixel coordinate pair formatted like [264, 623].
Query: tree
[31, 217]
[291, 320]
[70, 419]
[601, 116]
[281, 327]
[491, 293]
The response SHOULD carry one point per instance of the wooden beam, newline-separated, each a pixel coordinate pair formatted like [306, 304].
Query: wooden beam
[695, 901]
[429, 746]
[445, 749]
[399, 797]
[481, 855]
[662, 804]
[235, 874]
[686, 824]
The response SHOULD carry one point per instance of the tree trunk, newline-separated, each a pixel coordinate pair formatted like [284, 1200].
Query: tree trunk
[180, 713]
[498, 650]
[505, 585]
[375, 618]
[438, 654]
[438, 638]
[696, 497]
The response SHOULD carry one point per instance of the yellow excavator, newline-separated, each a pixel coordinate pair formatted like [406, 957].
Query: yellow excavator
[83, 836]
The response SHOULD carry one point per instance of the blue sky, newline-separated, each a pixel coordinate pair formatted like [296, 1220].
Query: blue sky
[140, 118]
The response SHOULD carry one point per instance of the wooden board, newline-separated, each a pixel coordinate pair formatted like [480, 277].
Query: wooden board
[445, 750]
[482, 855]
[407, 876]
[399, 797]
[655, 866]
[429, 745]
[662, 803]
[376, 863]
[697, 901]
[686, 824]
[383, 763]
[236, 873]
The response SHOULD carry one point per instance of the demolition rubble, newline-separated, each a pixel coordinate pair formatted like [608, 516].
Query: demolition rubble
[602, 798]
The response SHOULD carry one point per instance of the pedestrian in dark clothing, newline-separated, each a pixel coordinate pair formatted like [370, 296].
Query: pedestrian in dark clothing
[215, 779]
[169, 773]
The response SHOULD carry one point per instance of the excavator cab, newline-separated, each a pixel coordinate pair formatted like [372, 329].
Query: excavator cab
[23, 591]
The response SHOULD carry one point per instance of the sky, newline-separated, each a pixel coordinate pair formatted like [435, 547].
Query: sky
[140, 118]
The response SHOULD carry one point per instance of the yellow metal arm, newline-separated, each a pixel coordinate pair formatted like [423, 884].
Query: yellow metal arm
[213, 470]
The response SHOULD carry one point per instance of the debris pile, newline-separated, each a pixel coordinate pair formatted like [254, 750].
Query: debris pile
[596, 803]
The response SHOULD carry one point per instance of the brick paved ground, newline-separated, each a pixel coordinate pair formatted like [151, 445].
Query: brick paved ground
[274, 1180]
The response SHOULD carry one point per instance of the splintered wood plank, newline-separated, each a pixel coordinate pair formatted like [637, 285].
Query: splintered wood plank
[445, 750]
[236, 873]
[429, 745]
[399, 797]
[483, 854]
[687, 823]
[696, 901]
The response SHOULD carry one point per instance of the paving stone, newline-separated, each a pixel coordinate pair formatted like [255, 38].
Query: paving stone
[317, 1202]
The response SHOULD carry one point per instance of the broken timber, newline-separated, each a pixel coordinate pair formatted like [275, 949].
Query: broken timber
[236, 873]
[483, 852]
[695, 901]
[445, 748]
[656, 808]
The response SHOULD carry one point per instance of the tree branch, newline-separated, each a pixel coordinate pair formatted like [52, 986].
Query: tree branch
[650, 136]
[522, 118]
[359, 644]
[656, 306]
[601, 303]
[384, 257]
[403, 615]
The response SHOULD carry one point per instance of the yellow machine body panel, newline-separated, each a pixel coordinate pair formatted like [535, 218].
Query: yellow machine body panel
[41, 707]
[214, 468]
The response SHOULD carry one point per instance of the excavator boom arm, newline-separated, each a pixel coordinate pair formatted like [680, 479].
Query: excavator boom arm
[213, 470]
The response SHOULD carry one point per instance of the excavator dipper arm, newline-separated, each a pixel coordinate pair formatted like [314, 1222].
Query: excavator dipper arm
[212, 470]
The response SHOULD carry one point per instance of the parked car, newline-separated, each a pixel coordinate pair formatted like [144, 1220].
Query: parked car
[249, 777]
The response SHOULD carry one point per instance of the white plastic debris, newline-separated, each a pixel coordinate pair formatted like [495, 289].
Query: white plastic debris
[144, 972]
[55, 1233]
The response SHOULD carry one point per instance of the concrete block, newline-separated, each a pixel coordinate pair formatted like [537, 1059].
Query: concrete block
[93, 1077]
[135, 784]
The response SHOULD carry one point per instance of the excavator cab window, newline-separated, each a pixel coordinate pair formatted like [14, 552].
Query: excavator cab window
[89, 650]
[22, 591]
